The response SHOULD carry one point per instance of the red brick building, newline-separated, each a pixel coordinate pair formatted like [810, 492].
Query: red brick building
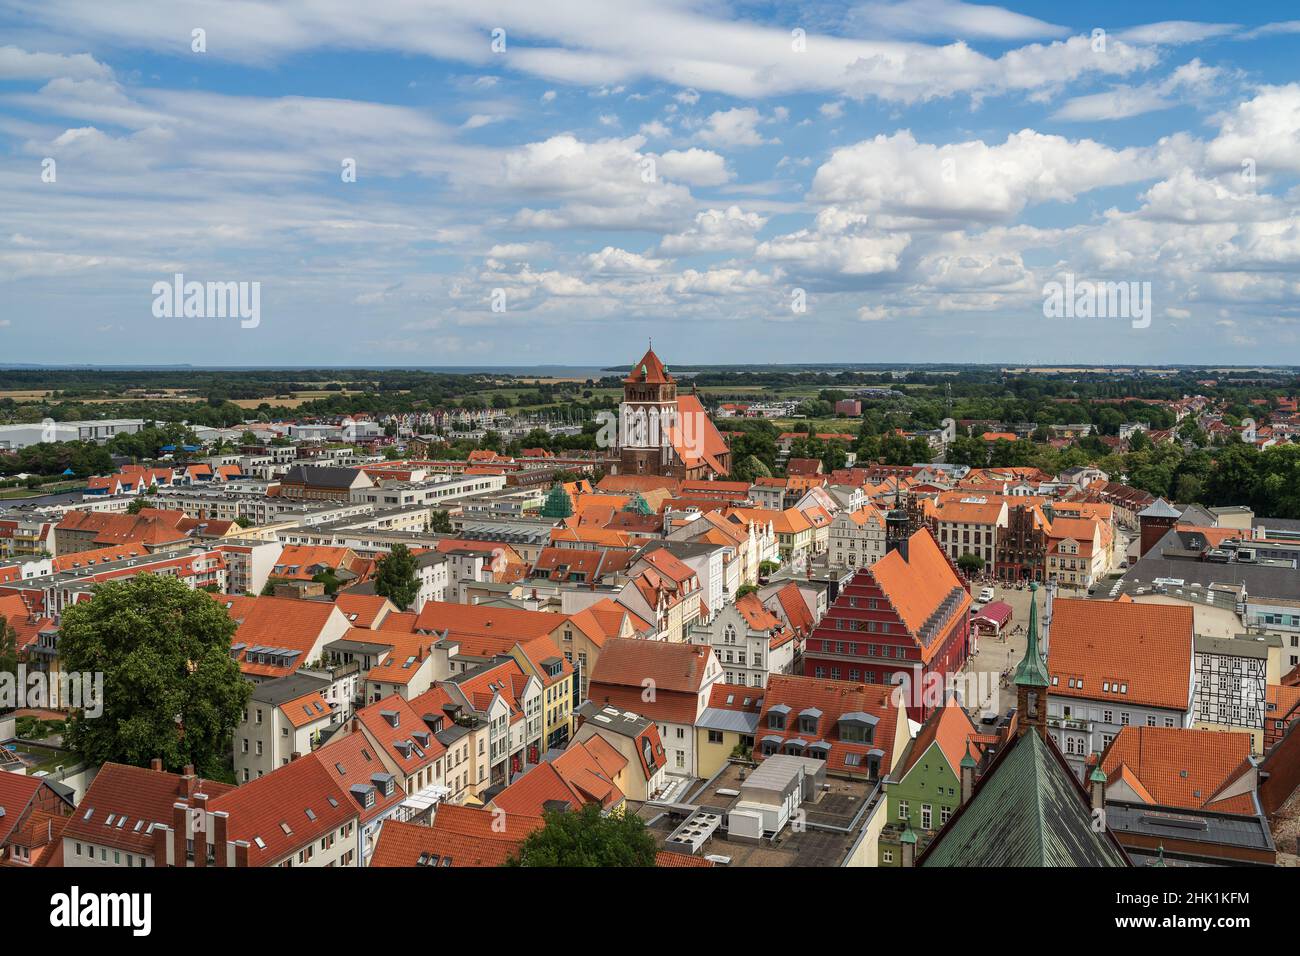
[908, 613]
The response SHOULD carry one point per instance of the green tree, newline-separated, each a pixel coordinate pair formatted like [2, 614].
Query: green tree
[328, 578]
[749, 468]
[440, 521]
[971, 564]
[171, 688]
[139, 504]
[587, 838]
[1188, 489]
[397, 577]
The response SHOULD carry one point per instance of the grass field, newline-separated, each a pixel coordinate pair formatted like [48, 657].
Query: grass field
[50, 489]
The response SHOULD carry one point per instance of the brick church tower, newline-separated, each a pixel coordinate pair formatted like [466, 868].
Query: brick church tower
[647, 419]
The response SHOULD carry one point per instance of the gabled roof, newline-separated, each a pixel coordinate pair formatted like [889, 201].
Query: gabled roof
[590, 768]
[795, 608]
[272, 622]
[410, 745]
[1124, 652]
[17, 791]
[920, 583]
[1181, 767]
[828, 702]
[540, 787]
[950, 728]
[363, 610]
[497, 622]
[1027, 810]
[673, 667]
[458, 837]
[351, 761]
[1160, 509]
[295, 805]
[677, 670]
[130, 796]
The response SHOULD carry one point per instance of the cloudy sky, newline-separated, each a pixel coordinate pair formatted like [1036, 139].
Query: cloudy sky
[553, 182]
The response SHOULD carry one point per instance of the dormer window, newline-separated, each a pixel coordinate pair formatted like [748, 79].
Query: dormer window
[776, 721]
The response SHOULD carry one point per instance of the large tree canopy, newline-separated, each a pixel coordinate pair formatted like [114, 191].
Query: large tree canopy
[587, 838]
[171, 688]
[397, 578]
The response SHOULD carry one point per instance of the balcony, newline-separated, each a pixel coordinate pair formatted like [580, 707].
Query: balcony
[1070, 723]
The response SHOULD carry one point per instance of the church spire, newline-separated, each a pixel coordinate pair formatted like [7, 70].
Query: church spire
[1031, 676]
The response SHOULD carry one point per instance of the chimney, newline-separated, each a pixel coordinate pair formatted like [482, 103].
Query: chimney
[156, 764]
[241, 853]
[219, 829]
[294, 756]
[179, 811]
[188, 783]
[908, 842]
[201, 836]
[160, 846]
[967, 774]
[1097, 785]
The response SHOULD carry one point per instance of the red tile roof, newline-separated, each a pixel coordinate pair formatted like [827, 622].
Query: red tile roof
[833, 698]
[286, 810]
[410, 744]
[1123, 652]
[463, 620]
[137, 795]
[1180, 767]
[950, 728]
[650, 370]
[919, 584]
[362, 610]
[16, 792]
[459, 836]
[673, 667]
[664, 858]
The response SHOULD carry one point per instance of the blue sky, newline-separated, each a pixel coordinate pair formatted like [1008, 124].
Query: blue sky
[913, 171]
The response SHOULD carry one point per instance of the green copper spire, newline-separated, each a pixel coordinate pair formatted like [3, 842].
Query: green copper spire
[908, 836]
[1097, 776]
[557, 503]
[1032, 672]
[1160, 857]
[968, 760]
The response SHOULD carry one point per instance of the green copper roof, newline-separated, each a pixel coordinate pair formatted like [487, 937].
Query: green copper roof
[908, 836]
[637, 504]
[1027, 811]
[1032, 672]
[1097, 776]
[968, 760]
[557, 503]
